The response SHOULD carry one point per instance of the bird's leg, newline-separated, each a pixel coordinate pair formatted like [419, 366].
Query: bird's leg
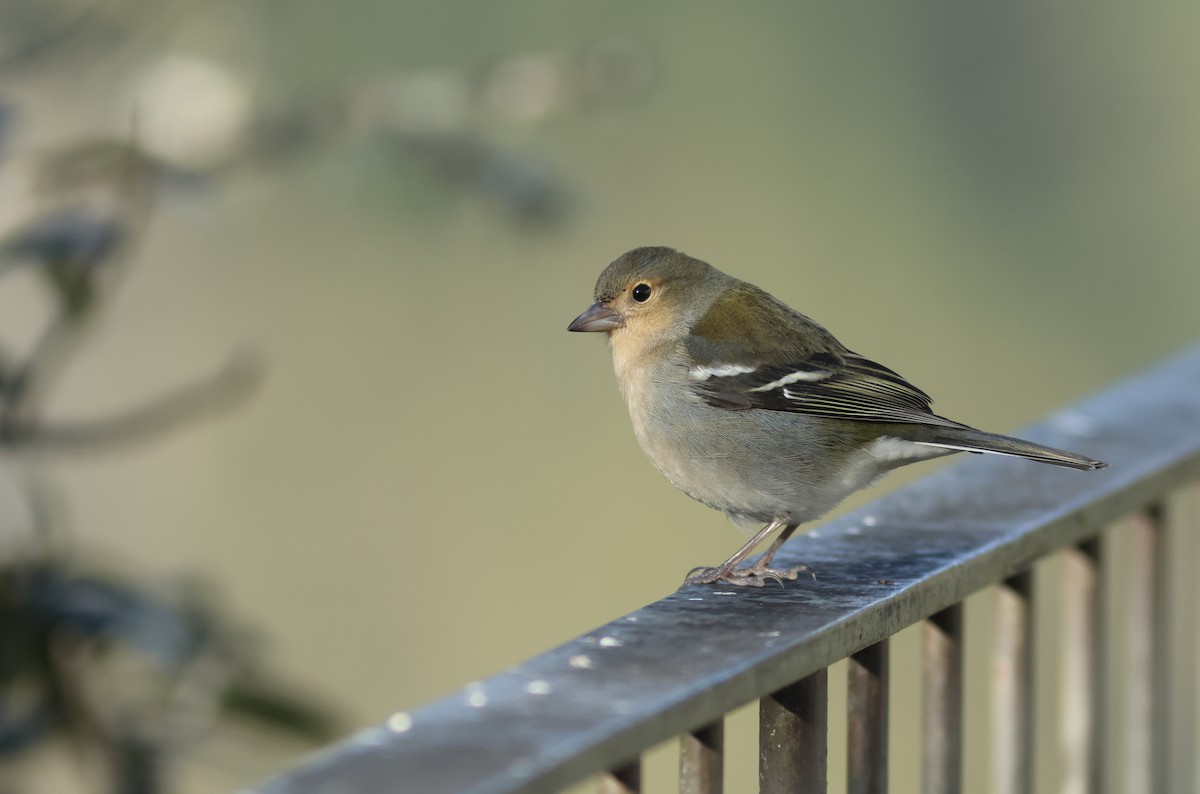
[760, 567]
[756, 574]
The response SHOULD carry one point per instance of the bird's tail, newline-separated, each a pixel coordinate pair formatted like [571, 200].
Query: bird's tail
[970, 440]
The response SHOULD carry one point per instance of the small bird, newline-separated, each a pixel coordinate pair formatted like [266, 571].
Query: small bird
[755, 410]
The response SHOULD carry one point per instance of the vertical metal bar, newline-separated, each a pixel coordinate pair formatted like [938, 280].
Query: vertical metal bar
[1012, 695]
[867, 703]
[1145, 734]
[793, 737]
[1162, 655]
[1158, 691]
[1084, 724]
[941, 766]
[1186, 519]
[1183, 526]
[702, 760]
[625, 779]
[1174, 687]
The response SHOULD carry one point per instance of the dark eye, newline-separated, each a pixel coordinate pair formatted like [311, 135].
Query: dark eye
[641, 293]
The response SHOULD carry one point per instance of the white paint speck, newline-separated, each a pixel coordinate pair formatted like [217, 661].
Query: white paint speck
[580, 661]
[372, 737]
[400, 722]
[538, 687]
[1075, 423]
[610, 642]
[870, 521]
[476, 697]
[522, 767]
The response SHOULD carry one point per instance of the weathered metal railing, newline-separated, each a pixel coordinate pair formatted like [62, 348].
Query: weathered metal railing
[676, 667]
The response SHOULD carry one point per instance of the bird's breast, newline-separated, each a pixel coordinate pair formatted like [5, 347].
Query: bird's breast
[757, 465]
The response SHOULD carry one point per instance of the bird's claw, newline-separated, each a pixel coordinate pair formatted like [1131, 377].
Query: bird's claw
[755, 575]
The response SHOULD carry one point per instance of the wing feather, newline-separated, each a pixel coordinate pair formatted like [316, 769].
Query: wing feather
[793, 364]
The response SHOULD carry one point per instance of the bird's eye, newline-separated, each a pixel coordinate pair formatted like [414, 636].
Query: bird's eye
[641, 293]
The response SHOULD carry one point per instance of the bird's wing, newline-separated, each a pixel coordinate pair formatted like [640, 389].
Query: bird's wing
[798, 367]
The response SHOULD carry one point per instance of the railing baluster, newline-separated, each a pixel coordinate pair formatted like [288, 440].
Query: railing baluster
[1145, 645]
[1083, 728]
[1157, 689]
[625, 779]
[793, 737]
[867, 703]
[702, 760]
[1173, 646]
[1012, 694]
[942, 655]
[1183, 528]
[1162, 646]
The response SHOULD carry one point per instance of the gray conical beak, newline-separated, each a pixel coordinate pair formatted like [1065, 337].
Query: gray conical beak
[598, 317]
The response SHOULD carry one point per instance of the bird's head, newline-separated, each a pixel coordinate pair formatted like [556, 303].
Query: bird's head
[650, 294]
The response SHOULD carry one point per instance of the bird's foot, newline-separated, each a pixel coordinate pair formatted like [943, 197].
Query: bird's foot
[754, 575]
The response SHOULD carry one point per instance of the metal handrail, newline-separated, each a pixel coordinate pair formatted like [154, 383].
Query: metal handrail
[675, 667]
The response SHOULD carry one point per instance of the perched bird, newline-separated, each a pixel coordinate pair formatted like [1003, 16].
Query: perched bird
[757, 411]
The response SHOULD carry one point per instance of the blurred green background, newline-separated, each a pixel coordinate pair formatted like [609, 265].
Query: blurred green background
[436, 481]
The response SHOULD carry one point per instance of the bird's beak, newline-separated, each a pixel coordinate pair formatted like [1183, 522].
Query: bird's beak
[598, 317]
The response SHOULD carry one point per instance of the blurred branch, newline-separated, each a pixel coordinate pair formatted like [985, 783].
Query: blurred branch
[211, 396]
[86, 207]
[141, 678]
